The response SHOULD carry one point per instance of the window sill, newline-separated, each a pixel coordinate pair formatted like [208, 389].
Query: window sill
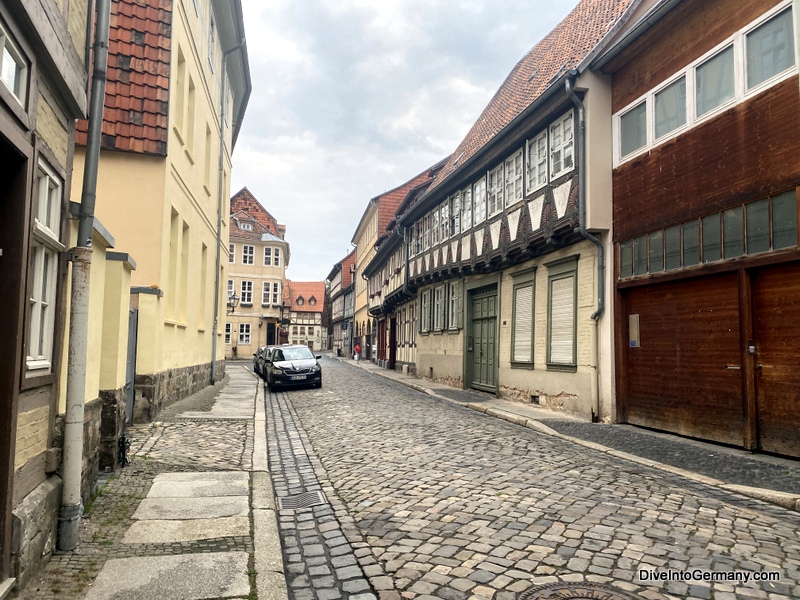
[562, 368]
[174, 323]
[522, 365]
[246, 304]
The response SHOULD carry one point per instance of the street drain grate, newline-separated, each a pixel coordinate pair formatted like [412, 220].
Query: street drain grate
[304, 500]
[576, 591]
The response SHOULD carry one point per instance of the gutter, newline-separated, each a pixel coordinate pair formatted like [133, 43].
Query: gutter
[601, 265]
[71, 508]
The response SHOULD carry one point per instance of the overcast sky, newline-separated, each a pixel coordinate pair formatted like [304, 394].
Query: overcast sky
[352, 98]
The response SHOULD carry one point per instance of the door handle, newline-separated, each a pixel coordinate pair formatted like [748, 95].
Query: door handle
[758, 366]
[733, 367]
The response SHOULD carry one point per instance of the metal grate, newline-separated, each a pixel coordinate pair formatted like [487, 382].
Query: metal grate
[304, 500]
[576, 591]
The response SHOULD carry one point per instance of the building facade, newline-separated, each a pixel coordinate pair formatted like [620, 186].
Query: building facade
[43, 90]
[305, 301]
[706, 260]
[178, 86]
[341, 295]
[258, 256]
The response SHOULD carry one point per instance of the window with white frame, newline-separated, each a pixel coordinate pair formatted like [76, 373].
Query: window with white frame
[276, 293]
[14, 69]
[445, 220]
[212, 42]
[426, 232]
[562, 146]
[454, 305]
[438, 308]
[246, 226]
[537, 161]
[267, 257]
[753, 59]
[495, 190]
[466, 209]
[455, 214]
[277, 256]
[248, 254]
[45, 249]
[244, 334]
[266, 288]
[425, 311]
[522, 320]
[228, 329]
[479, 200]
[230, 288]
[418, 236]
[513, 178]
[246, 293]
[231, 253]
[435, 226]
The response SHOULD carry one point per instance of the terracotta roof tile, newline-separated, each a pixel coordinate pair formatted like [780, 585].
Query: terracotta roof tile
[293, 290]
[137, 91]
[244, 201]
[560, 50]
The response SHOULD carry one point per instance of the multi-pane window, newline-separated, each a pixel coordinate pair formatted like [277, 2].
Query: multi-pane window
[246, 292]
[435, 226]
[562, 146]
[426, 232]
[561, 317]
[45, 249]
[277, 255]
[494, 198]
[14, 69]
[445, 220]
[513, 178]
[418, 236]
[228, 329]
[455, 213]
[266, 287]
[759, 226]
[756, 57]
[244, 333]
[267, 257]
[231, 253]
[522, 321]
[438, 308]
[230, 288]
[466, 209]
[246, 226]
[454, 305]
[276, 293]
[479, 200]
[248, 254]
[537, 161]
[425, 311]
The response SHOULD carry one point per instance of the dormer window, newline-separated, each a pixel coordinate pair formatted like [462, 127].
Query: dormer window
[312, 301]
[299, 301]
[246, 226]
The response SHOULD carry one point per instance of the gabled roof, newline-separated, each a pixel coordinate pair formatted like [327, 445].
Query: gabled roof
[560, 51]
[239, 223]
[346, 266]
[293, 290]
[244, 201]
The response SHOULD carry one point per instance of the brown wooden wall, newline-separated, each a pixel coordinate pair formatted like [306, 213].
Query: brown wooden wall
[749, 151]
[684, 34]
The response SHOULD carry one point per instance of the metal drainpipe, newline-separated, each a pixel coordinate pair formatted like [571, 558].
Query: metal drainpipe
[69, 514]
[220, 204]
[601, 266]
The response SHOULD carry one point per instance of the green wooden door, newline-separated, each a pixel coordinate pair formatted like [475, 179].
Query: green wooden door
[484, 340]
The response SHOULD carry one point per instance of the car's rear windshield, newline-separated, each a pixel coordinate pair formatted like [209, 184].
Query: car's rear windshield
[292, 354]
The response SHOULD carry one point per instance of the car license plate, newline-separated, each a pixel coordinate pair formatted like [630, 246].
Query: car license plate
[297, 377]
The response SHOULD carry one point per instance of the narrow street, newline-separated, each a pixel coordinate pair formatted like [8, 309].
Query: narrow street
[425, 499]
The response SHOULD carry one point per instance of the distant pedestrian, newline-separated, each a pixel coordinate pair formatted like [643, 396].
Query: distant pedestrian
[357, 349]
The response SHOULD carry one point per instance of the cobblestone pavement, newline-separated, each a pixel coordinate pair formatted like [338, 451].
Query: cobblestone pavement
[454, 504]
[177, 445]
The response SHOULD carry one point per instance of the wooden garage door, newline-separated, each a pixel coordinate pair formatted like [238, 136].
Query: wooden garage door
[776, 300]
[683, 375]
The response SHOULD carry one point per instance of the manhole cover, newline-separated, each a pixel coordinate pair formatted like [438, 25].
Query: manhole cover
[304, 500]
[576, 591]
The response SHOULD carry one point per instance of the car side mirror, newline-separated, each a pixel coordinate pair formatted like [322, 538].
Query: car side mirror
[318, 356]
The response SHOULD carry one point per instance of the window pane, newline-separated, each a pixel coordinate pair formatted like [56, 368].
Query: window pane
[640, 256]
[671, 107]
[626, 259]
[691, 243]
[770, 49]
[784, 221]
[672, 245]
[714, 80]
[733, 232]
[656, 252]
[757, 222]
[711, 238]
[633, 129]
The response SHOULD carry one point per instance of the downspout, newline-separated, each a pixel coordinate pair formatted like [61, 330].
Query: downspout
[601, 265]
[220, 204]
[69, 514]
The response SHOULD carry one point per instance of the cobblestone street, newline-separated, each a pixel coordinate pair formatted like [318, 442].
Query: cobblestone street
[430, 500]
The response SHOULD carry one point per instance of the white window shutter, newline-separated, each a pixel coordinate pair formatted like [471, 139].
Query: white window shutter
[523, 324]
[562, 320]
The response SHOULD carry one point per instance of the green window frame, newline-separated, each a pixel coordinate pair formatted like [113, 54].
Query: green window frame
[562, 315]
[523, 321]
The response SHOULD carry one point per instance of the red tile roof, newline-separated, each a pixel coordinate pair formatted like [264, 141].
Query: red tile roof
[244, 201]
[561, 50]
[135, 118]
[294, 290]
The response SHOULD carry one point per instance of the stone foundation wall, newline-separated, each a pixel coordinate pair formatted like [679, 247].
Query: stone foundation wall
[92, 414]
[112, 427]
[155, 392]
[34, 524]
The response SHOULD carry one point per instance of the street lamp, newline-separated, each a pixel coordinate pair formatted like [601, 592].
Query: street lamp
[233, 302]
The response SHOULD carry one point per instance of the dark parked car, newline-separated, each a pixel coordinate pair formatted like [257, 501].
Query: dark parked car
[292, 365]
[260, 359]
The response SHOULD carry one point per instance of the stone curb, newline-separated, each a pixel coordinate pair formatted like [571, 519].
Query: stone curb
[783, 499]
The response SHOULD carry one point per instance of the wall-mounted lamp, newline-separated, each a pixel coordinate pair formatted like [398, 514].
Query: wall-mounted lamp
[233, 302]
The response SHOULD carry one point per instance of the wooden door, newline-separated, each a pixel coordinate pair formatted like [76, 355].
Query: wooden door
[484, 332]
[392, 342]
[776, 307]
